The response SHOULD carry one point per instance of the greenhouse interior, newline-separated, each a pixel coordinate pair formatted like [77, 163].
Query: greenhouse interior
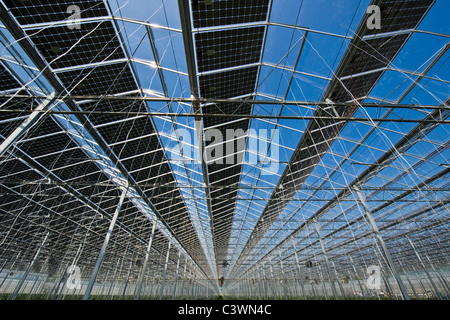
[224, 149]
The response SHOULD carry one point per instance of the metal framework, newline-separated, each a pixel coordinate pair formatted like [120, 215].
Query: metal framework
[240, 148]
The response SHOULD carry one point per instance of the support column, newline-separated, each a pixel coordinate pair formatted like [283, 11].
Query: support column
[338, 281]
[176, 276]
[283, 281]
[26, 124]
[272, 277]
[164, 272]
[322, 246]
[74, 262]
[385, 250]
[298, 267]
[98, 264]
[125, 287]
[444, 283]
[184, 277]
[425, 269]
[25, 275]
[357, 278]
[144, 266]
[409, 280]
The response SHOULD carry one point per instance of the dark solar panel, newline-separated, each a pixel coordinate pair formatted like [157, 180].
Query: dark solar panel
[374, 54]
[228, 48]
[209, 13]
[131, 137]
[7, 81]
[43, 146]
[220, 50]
[16, 170]
[400, 15]
[226, 177]
[115, 132]
[100, 80]
[95, 42]
[229, 108]
[355, 88]
[228, 84]
[15, 118]
[60, 151]
[42, 11]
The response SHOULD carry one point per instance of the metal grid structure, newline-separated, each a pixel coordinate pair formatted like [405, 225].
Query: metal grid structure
[252, 149]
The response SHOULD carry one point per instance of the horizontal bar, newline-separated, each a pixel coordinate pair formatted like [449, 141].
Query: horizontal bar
[232, 116]
[96, 19]
[148, 185]
[217, 198]
[234, 101]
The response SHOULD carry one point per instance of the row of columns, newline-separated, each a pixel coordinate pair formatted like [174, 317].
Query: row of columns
[386, 256]
[196, 287]
[283, 286]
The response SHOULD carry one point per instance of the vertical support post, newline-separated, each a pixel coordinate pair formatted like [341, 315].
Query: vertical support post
[184, 278]
[194, 285]
[26, 124]
[266, 285]
[384, 248]
[113, 282]
[425, 269]
[144, 265]
[74, 261]
[125, 287]
[409, 280]
[357, 278]
[444, 282]
[388, 286]
[165, 270]
[176, 276]
[261, 282]
[322, 246]
[298, 267]
[272, 277]
[7, 273]
[324, 288]
[191, 282]
[104, 285]
[338, 281]
[98, 264]
[285, 290]
[25, 275]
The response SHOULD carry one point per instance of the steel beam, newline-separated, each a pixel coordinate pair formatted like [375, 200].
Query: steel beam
[99, 261]
[144, 266]
[327, 263]
[32, 119]
[383, 246]
[166, 263]
[25, 275]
